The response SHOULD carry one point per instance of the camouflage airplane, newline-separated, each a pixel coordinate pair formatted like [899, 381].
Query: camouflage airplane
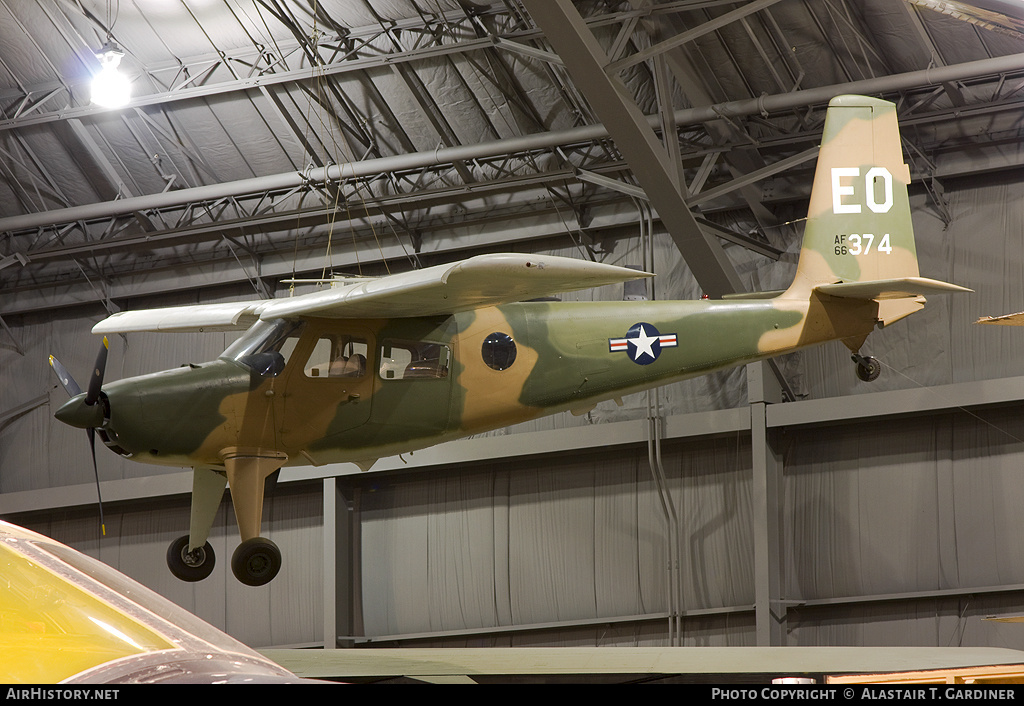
[376, 367]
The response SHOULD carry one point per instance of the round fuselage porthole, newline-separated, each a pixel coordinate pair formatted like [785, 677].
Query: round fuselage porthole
[499, 351]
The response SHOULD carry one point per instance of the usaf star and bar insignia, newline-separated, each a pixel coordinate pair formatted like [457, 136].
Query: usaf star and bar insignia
[643, 343]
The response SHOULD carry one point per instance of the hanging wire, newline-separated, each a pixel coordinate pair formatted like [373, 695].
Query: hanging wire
[113, 11]
[318, 82]
[952, 403]
[358, 189]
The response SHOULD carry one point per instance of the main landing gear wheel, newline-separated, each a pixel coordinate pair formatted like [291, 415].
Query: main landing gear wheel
[868, 368]
[256, 561]
[187, 565]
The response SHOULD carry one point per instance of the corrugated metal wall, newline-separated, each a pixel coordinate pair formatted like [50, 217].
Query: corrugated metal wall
[558, 541]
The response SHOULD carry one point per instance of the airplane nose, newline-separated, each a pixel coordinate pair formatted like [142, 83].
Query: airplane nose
[76, 413]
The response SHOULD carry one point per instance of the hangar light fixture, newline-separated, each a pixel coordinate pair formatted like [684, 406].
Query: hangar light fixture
[110, 88]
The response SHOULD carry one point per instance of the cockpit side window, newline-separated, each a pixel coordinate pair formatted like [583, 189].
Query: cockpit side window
[266, 347]
[337, 356]
[411, 360]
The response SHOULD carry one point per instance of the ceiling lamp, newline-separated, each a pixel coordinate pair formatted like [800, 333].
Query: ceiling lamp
[110, 88]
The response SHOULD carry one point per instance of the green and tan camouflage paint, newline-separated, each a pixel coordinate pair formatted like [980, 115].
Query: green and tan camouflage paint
[189, 416]
[860, 157]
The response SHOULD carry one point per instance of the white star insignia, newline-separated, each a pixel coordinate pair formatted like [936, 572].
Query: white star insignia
[644, 344]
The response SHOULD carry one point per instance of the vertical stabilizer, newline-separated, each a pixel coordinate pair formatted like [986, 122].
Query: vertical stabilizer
[858, 223]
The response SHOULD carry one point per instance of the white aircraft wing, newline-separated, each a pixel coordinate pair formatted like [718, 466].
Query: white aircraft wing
[231, 316]
[485, 280]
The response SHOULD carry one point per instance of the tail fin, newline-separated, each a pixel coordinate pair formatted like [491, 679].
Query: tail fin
[859, 240]
[858, 223]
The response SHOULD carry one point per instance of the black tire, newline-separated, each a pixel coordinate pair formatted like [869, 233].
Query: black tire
[256, 561]
[190, 566]
[868, 369]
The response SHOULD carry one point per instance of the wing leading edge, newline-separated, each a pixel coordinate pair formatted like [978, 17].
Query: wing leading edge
[485, 280]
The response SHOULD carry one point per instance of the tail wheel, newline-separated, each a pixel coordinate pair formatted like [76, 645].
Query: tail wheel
[868, 368]
[256, 561]
[187, 565]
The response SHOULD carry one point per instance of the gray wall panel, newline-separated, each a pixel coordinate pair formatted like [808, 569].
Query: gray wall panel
[911, 505]
[585, 540]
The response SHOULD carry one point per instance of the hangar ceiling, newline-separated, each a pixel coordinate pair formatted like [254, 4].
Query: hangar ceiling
[271, 138]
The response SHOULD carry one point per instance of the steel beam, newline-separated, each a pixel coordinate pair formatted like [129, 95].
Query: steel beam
[110, 174]
[754, 176]
[684, 37]
[587, 63]
[687, 116]
[23, 408]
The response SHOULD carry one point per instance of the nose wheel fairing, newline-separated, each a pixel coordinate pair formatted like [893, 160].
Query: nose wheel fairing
[257, 560]
[247, 472]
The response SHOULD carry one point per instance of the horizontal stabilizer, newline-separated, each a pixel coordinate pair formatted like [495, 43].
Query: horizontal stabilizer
[482, 281]
[903, 288]
[770, 294]
[1004, 320]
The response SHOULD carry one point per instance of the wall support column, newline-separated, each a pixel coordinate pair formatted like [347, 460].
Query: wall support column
[767, 500]
[340, 597]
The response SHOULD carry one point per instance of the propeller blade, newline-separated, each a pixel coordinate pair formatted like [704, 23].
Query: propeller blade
[78, 413]
[66, 381]
[96, 472]
[96, 379]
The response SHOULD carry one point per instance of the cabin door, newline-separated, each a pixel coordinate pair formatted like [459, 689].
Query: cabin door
[328, 390]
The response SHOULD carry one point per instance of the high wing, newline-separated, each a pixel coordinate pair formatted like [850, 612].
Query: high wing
[230, 316]
[485, 280]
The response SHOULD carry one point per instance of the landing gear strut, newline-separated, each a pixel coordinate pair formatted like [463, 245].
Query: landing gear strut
[187, 565]
[868, 368]
[256, 561]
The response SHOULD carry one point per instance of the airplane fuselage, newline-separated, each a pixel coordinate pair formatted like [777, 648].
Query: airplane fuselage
[419, 381]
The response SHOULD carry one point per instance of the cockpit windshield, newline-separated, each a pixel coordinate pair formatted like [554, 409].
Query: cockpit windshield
[266, 346]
